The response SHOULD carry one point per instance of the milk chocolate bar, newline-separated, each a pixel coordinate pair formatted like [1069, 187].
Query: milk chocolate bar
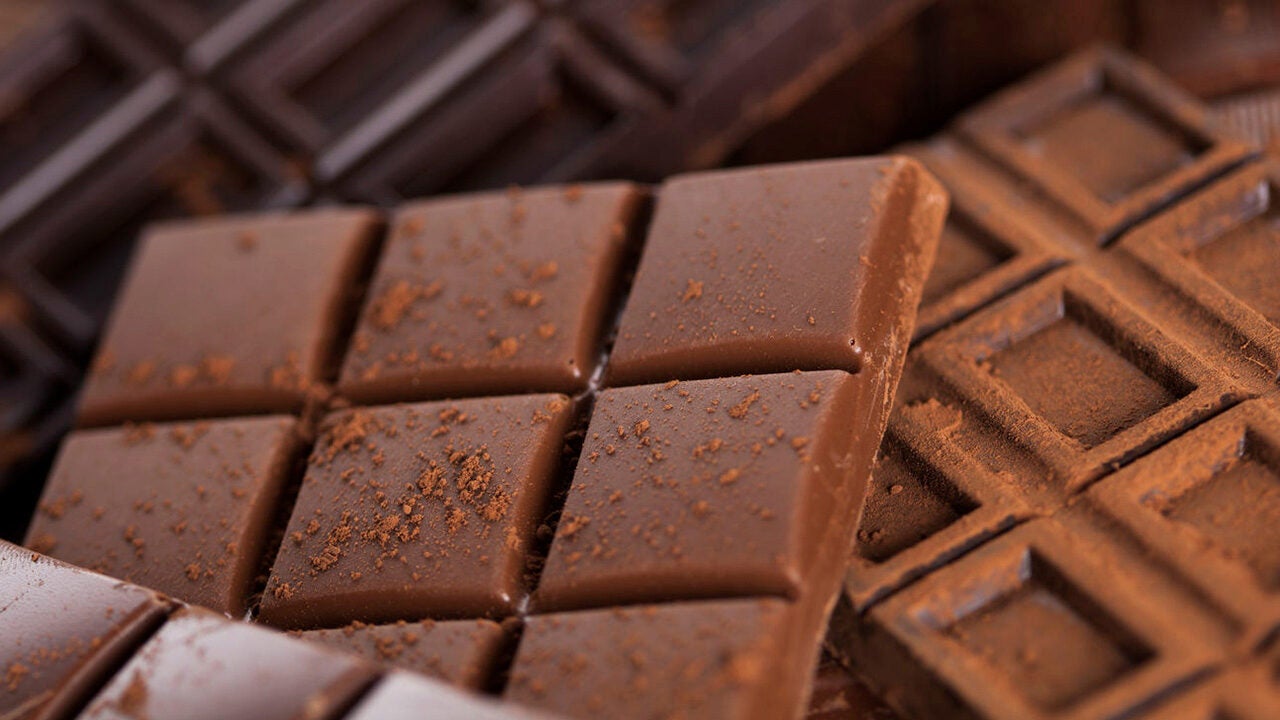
[79, 644]
[1072, 511]
[479, 539]
[124, 113]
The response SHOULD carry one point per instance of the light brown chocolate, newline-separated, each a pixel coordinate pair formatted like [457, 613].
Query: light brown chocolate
[492, 293]
[413, 511]
[228, 316]
[778, 268]
[182, 508]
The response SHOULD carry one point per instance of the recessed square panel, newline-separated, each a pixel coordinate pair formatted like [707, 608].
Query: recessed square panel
[1042, 622]
[1207, 504]
[965, 252]
[1118, 395]
[988, 248]
[1083, 139]
[929, 501]
[1220, 249]
[84, 72]
[336, 64]
[1103, 137]
[1076, 376]
[1046, 642]
[557, 109]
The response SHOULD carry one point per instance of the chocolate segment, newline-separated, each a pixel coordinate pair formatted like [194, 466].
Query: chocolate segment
[182, 508]
[65, 631]
[706, 659]
[704, 489]
[411, 511]
[1102, 643]
[775, 269]
[1104, 139]
[201, 665]
[487, 294]
[1207, 504]
[228, 316]
[460, 652]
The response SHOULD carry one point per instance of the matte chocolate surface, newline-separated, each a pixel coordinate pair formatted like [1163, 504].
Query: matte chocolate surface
[486, 294]
[200, 665]
[182, 508]
[775, 269]
[228, 316]
[460, 652]
[65, 630]
[414, 511]
[1117, 413]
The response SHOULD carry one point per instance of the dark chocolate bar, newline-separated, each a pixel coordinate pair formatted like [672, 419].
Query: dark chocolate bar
[1073, 511]
[703, 522]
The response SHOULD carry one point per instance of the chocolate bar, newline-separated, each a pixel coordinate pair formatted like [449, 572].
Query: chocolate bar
[128, 112]
[1072, 511]
[85, 645]
[703, 522]
[65, 631]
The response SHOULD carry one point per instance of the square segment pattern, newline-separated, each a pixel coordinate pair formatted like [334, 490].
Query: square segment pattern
[182, 508]
[1077, 375]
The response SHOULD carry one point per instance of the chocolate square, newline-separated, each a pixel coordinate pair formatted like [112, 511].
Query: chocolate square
[201, 665]
[492, 293]
[228, 316]
[704, 659]
[414, 511]
[774, 269]
[704, 489]
[182, 508]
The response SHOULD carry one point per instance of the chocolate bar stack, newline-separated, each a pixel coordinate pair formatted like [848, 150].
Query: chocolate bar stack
[602, 449]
